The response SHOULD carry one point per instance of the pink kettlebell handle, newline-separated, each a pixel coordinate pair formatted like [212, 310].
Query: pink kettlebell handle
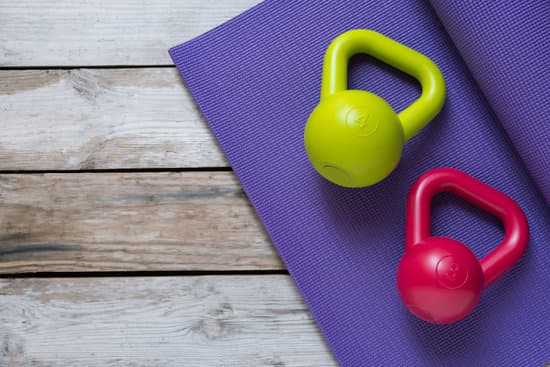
[516, 230]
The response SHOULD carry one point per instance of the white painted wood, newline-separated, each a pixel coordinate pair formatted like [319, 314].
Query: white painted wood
[220, 321]
[129, 221]
[101, 119]
[104, 32]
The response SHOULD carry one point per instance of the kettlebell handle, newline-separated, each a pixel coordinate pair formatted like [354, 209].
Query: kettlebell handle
[335, 73]
[516, 230]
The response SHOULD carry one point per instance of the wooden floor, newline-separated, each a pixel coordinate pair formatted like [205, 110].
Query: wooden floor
[125, 239]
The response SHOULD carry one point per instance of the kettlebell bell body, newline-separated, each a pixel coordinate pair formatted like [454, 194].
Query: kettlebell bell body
[361, 122]
[439, 279]
[354, 138]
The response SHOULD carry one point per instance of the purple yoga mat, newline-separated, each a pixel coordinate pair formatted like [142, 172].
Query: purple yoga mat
[256, 79]
[506, 46]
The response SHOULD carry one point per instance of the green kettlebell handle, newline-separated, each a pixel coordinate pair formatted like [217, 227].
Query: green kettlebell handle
[421, 111]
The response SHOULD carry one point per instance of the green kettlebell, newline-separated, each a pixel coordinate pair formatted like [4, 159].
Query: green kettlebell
[354, 138]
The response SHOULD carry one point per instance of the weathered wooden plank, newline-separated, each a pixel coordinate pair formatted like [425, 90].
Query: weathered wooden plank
[129, 221]
[104, 32]
[101, 119]
[220, 321]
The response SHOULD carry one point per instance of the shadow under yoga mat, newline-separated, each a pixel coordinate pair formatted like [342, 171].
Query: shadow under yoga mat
[257, 78]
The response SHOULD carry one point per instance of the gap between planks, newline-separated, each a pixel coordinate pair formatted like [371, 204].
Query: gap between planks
[118, 170]
[75, 67]
[132, 274]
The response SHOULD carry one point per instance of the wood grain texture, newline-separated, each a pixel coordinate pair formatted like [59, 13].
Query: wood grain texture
[104, 32]
[101, 119]
[227, 321]
[129, 221]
